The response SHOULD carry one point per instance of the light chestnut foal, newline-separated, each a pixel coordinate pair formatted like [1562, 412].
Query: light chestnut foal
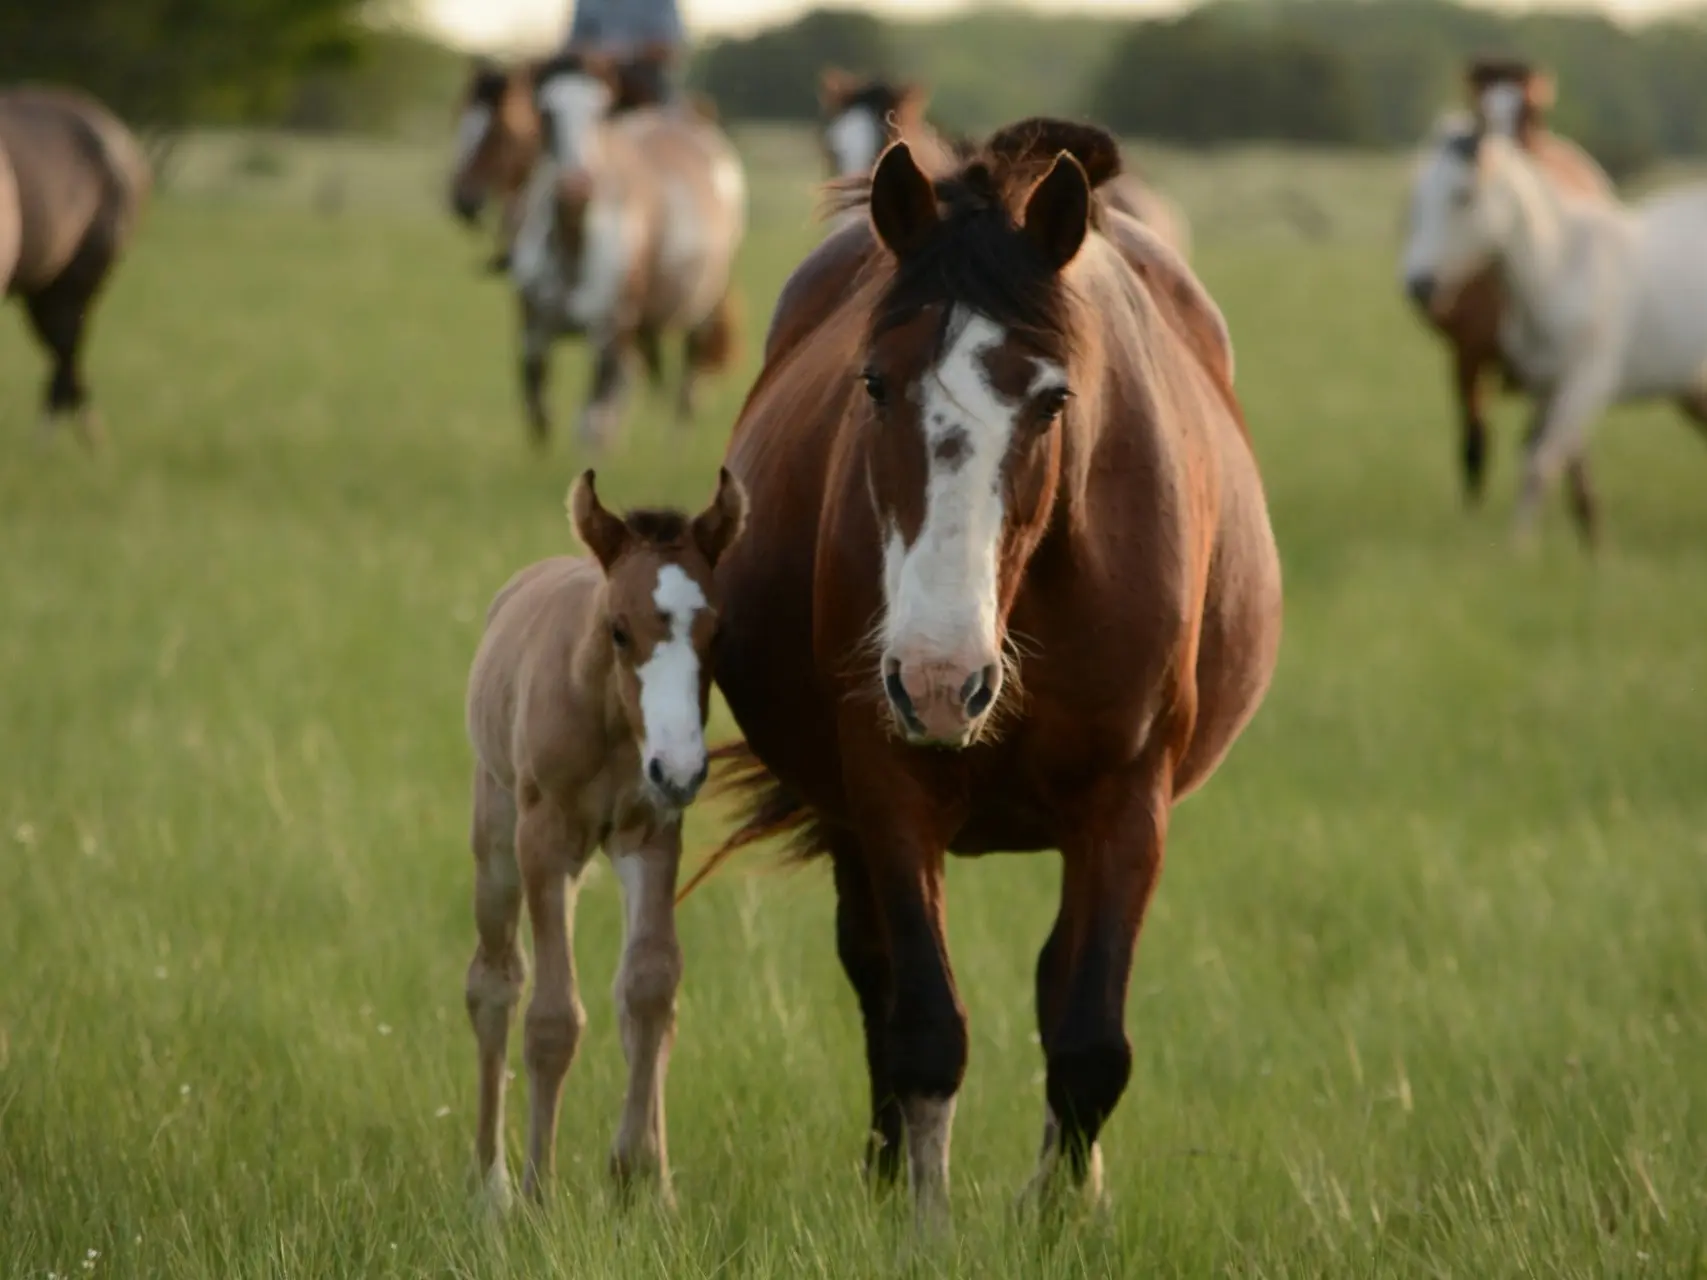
[586, 710]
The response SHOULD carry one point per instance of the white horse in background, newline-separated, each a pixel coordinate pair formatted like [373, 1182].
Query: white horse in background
[1608, 301]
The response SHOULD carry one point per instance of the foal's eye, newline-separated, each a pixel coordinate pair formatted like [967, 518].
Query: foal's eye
[619, 635]
[874, 387]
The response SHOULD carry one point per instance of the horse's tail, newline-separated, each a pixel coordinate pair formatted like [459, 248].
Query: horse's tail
[764, 807]
[716, 342]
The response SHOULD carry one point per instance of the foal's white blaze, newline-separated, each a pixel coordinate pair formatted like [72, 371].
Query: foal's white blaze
[470, 131]
[669, 684]
[854, 139]
[940, 592]
[576, 104]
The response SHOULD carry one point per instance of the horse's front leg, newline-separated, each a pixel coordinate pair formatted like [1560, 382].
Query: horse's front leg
[1110, 863]
[1558, 439]
[645, 994]
[537, 333]
[1473, 448]
[926, 1025]
[551, 852]
[602, 414]
[863, 949]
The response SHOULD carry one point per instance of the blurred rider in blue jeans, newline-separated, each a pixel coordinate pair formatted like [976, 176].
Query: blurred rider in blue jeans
[644, 38]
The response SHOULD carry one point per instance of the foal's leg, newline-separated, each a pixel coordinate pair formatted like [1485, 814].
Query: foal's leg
[864, 953]
[496, 973]
[552, 853]
[645, 995]
[1109, 869]
[603, 412]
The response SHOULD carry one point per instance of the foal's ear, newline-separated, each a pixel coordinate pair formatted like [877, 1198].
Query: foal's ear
[602, 533]
[716, 528]
[903, 202]
[1058, 211]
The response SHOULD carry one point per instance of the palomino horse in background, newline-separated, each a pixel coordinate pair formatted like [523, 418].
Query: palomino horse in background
[586, 710]
[73, 181]
[1513, 97]
[1008, 584]
[1605, 303]
[629, 228]
[862, 116]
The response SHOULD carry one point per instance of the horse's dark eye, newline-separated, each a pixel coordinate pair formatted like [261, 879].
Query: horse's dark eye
[619, 635]
[1051, 403]
[874, 387]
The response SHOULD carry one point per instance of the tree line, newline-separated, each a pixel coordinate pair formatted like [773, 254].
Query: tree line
[1352, 73]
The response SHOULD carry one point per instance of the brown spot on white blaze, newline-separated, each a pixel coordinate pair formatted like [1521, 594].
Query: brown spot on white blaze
[951, 449]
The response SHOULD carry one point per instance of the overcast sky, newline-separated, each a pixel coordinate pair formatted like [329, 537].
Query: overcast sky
[476, 23]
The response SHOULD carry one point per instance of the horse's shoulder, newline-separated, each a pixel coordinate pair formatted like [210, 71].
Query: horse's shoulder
[816, 287]
[1176, 291]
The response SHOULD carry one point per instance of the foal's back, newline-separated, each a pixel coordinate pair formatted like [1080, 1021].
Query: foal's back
[523, 691]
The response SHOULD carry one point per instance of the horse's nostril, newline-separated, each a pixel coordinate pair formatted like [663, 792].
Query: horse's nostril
[655, 772]
[898, 696]
[979, 691]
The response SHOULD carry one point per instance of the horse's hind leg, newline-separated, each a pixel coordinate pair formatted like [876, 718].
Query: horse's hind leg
[496, 973]
[551, 852]
[536, 349]
[1473, 429]
[59, 315]
[1110, 866]
[645, 996]
[710, 348]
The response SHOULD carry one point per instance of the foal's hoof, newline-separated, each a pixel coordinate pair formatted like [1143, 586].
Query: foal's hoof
[1053, 1194]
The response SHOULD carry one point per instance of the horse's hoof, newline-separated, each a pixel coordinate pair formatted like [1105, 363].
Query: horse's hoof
[498, 264]
[496, 1197]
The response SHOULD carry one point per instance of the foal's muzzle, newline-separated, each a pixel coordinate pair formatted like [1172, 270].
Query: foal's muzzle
[677, 790]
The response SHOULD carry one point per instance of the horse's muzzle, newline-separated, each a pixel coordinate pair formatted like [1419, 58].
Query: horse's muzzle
[1420, 290]
[940, 703]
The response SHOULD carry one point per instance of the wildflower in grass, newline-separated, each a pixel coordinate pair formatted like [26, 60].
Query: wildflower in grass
[384, 1028]
[25, 834]
[441, 1113]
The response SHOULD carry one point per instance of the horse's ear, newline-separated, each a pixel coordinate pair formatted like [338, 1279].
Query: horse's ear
[602, 533]
[903, 202]
[716, 528]
[1058, 211]
[833, 87]
[1541, 91]
[913, 98]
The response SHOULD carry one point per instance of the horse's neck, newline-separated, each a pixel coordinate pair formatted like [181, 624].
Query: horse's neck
[1533, 254]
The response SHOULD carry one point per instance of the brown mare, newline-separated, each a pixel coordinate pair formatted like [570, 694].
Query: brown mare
[586, 710]
[629, 225]
[73, 181]
[1471, 322]
[1009, 584]
[861, 116]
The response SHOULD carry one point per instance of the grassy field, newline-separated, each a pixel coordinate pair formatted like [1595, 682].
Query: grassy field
[1421, 992]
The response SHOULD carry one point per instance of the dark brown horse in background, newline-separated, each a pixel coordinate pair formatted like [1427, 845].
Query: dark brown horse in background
[1471, 324]
[73, 181]
[1008, 584]
[859, 116]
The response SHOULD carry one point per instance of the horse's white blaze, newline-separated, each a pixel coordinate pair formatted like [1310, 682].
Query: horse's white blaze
[854, 138]
[940, 592]
[470, 132]
[576, 105]
[1502, 106]
[669, 683]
